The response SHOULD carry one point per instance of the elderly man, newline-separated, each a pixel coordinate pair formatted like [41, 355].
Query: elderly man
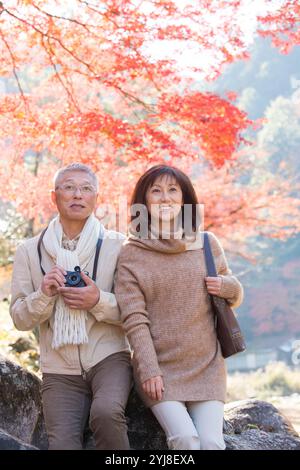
[85, 357]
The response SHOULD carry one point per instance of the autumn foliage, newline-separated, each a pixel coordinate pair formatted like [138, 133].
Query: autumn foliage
[85, 81]
[283, 26]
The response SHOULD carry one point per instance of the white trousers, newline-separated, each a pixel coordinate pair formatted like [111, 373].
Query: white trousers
[192, 425]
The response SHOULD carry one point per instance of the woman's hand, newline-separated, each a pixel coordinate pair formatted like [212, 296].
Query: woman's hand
[213, 285]
[154, 387]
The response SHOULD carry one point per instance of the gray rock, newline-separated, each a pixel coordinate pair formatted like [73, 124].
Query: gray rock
[20, 404]
[258, 425]
[258, 414]
[261, 440]
[248, 424]
[8, 442]
[144, 432]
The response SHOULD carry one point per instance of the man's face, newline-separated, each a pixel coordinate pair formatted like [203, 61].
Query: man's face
[75, 196]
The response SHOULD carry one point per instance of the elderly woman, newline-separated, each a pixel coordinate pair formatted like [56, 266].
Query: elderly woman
[163, 293]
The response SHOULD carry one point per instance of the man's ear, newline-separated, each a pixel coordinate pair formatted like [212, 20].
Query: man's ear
[53, 197]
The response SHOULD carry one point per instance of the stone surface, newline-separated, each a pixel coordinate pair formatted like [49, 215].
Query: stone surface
[8, 442]
[20, 404]
[258, 425]
[143, 429]
[248, 425]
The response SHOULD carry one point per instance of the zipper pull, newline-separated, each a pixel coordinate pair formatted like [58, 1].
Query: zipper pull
[83, 372]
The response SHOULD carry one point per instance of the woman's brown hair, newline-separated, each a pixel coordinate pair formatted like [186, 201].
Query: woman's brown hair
[188, 192]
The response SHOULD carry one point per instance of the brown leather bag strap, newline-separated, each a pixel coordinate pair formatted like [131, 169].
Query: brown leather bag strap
[210, 266]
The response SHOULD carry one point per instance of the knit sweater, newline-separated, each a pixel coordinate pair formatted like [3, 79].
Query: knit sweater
[167, 316]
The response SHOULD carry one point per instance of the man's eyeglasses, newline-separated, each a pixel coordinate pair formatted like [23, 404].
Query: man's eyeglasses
[72, 188]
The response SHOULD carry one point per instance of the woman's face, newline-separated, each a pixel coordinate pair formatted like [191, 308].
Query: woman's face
[164, 198]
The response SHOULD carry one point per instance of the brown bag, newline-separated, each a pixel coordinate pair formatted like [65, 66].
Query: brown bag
[228, 330]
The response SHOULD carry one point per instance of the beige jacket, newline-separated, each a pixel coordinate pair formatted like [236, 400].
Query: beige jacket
[30, 308]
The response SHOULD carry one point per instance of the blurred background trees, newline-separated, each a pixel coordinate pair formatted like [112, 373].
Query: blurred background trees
[212, 87]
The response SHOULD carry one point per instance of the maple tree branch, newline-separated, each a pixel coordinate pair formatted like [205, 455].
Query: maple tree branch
[139, 5]
[50, 54]
[78, 59]
[117, 26]
[72, 20]
[50, 37]
[14, 69]
[134, 49]
[146, 67]
[132, 97]
[234, 211]
[104, 15]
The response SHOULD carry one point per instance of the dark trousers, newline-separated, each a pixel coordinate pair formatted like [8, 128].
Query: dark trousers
[69, 401]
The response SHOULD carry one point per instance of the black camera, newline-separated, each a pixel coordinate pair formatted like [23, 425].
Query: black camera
[74, 279]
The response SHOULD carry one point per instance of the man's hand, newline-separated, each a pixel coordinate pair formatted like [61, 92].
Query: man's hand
[154, 387]
[213, 285]
[53, 280]
[81, 298]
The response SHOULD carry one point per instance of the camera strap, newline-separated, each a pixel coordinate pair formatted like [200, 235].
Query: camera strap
[39, 249]
[98, 247]
[96, 259]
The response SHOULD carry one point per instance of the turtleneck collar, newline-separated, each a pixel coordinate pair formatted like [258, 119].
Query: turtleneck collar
[171, 246]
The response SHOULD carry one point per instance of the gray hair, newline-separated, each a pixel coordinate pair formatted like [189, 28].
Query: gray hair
[75, 167]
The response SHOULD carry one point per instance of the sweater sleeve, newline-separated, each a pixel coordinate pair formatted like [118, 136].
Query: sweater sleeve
[231, 288]
[28, 308]
[136, 322]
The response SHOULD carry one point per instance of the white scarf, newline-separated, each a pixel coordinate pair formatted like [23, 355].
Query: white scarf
[70, 324]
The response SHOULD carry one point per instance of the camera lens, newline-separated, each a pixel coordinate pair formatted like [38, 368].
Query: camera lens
[73, 279]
